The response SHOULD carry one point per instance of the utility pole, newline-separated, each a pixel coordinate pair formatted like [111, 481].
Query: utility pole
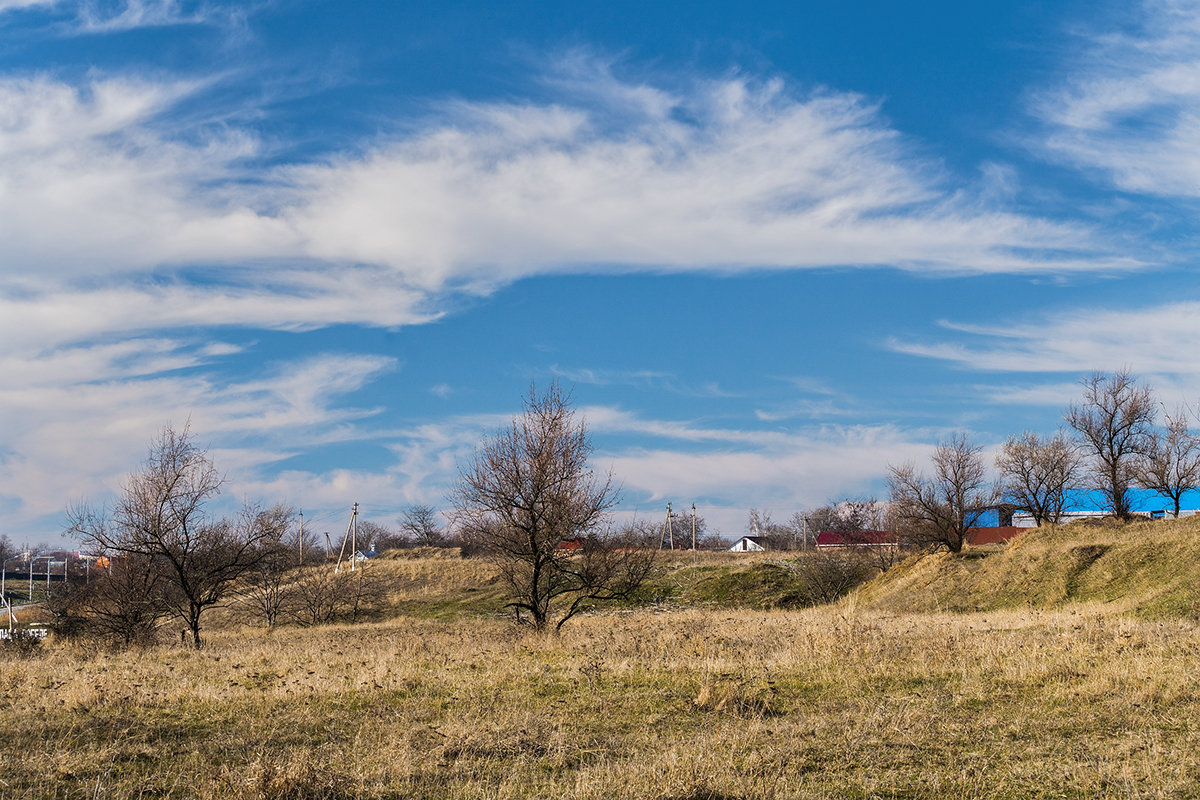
[353, 536]
[668, 531]
[300, 540]
[693, 527]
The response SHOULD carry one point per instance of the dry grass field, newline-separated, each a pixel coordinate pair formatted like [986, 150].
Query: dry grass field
[438, 697]
[829, 702]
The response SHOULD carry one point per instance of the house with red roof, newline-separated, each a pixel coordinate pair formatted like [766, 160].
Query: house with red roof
[832, 539]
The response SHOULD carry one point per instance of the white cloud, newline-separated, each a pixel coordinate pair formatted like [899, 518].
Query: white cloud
[1161, 339]
[14, 5]
[103, 17]
[785, 472]
[109, 201]
[97, 18]
[1132, 106]
[85, 415]
[608, 377]
[758, 179]
[1057, 394]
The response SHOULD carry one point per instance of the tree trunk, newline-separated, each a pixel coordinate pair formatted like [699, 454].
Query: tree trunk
[193, 622]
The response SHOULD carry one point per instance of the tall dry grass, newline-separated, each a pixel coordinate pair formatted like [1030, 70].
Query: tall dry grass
[830, 702]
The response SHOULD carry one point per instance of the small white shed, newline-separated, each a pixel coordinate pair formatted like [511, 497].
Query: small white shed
[750, 544]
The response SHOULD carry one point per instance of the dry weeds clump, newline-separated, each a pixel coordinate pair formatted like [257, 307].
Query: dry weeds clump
[830, 702]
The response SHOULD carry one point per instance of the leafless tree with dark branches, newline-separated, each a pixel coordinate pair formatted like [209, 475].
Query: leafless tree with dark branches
[162, 514]
[1037, 473]
[268, 585]
[1114, 423]
[532, 503]
[419, 523]
[830, 573]
[126, 598]
[1171, 466]
[939, 510]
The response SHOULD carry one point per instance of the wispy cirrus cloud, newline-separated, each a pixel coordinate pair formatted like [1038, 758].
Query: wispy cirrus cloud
[79, 418]
[94, 17]
[1131, 107]
[735, 175]
[605, 377]
[646, 378]
[15, 5]
[79, 17]
[1154, 339]
[103, 192]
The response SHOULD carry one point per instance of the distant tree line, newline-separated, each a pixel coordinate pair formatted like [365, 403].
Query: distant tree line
[1118, 438]
[165, 555]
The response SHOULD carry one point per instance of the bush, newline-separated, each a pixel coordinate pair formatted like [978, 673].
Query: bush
[21, 643]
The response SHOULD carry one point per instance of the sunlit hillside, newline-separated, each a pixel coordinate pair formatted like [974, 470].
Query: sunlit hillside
[1148, 569]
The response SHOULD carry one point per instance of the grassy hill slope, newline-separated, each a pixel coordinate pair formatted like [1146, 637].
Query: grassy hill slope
[438, 584]
[1150, 569]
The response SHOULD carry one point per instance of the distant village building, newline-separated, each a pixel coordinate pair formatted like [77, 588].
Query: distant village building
[1023, 519]
[750, 544]
[835, 539]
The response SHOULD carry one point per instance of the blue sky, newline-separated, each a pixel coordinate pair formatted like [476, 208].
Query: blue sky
[772, 247]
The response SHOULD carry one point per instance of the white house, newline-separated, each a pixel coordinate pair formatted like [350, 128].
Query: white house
[750, 544]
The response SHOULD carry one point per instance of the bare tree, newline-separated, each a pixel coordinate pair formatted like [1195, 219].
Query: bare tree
[373, 536]
[317, 596]
[162, 514]
[268, 589]
[803, 531]
[694, 526]
[64, 603]
[126, 598]
[1114, 423]
[1171, 465]
[848, 515]
[420, 524]
[526, 493]
[863, 524]
[1036, 474]
[777, 537]
[830, 573]
[939, 510]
